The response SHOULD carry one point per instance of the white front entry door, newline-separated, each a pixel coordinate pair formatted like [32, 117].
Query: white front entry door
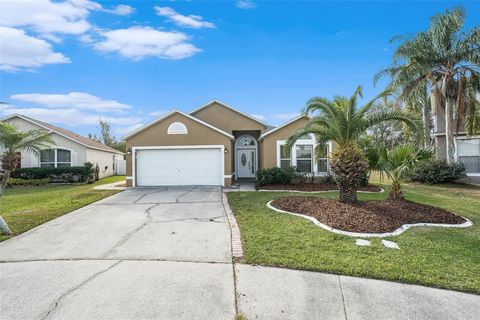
[246, 163]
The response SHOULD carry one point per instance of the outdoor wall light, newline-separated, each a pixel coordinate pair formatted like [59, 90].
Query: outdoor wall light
[226, 150]
[129, 151]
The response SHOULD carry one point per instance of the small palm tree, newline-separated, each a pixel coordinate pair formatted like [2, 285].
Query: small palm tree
[12, 141]
[398, 162]
[448, 60]
[342, 121]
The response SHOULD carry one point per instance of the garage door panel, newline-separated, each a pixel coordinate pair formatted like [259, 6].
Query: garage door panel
[155, 167]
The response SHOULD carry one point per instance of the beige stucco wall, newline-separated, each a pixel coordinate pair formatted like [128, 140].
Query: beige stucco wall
[78, 155]
[104, 160]
[268, 145]
[226, 119]
[198, 134]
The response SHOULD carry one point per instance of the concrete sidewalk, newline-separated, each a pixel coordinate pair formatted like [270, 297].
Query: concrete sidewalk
[274, 293]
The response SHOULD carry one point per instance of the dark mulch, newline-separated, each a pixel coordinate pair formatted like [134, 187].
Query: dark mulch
[366, 216]
[314, 187]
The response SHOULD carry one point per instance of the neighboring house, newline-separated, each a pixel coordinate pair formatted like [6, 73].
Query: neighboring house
[214, 145]
[467, 148]
[70, 149]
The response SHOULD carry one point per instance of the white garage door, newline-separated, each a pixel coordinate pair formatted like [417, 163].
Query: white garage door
[176, 167]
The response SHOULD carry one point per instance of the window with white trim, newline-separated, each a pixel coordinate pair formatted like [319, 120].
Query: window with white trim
[285, 158]
[304, 155]
[55, 158]
[468, 151]
[322, 161]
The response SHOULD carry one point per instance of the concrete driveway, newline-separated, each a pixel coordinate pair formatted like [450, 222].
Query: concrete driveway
[165, 253]
[160, 253]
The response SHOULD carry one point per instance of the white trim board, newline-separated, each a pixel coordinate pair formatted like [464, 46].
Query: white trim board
[231, 108]
[148, 125]
[281, 126]
[134, 150]
[397, 232]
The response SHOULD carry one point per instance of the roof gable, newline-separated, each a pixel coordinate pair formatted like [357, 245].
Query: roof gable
[302, 116]
[154, 122]
[217, 102]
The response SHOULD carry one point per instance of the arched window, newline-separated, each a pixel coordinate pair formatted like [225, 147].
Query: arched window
[245, 141]
[177, 128]
[55, 158]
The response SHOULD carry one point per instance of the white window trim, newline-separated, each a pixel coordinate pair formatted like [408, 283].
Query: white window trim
[475, 137]
[293, 155]
[55, 163]
[134, 150]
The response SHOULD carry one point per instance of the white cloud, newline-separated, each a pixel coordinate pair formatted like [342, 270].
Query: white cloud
[285, 116]
[45, 16]
[245, 4]
[140, 42]
[71, 117]
[259, 116]
[74, 100]
[121, 10]
[20, 51]
[191, 21]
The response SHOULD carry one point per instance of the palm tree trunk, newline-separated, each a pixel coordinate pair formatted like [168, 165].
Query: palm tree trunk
[3, 182]
[4, 229]
[348, 194]
[396, 191]
[449, 132]
[426, 126]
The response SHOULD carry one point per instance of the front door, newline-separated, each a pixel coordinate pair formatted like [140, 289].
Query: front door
[246, 163]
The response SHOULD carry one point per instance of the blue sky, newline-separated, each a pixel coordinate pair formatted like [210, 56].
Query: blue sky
[129, 61]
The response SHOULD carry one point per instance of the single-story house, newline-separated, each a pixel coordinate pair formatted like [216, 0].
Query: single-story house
[70, 149]
[214, 145]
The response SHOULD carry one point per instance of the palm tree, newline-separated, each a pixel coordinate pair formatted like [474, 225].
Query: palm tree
[449, 59]
[13, 141]
[341, 120]
[398, 162]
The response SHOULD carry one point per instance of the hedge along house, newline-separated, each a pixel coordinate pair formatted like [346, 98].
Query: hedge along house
[215, 144]
[70, 149]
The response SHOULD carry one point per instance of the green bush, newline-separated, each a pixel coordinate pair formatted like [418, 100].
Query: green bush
[57, 175]
[276, 175]
[438, 171]
[22, 182]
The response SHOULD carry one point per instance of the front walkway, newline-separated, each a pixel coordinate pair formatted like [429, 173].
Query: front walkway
[165, 253]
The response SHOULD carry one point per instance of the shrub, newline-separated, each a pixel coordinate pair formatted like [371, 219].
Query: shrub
[23, 182]
[438, 171]
[58, 175]
[276, 175]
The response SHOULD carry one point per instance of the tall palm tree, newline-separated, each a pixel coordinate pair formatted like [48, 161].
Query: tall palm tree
[12, 141]
[449, 59]
[398, 162]
[342, 121]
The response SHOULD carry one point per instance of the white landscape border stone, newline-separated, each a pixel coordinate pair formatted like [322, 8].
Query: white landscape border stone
[323, 191]
[398, 231]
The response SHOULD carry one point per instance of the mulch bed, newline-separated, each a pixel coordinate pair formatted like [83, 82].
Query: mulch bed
[366, 216]
[314, 187]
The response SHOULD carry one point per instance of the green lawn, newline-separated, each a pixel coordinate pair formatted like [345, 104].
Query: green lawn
[438, 257]
[27, 207]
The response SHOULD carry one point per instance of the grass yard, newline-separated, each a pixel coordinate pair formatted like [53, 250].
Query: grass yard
[438, 257]
[27, 207]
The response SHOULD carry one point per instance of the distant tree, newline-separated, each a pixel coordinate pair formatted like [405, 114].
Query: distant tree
[106, 137]
[447, 59]
[12, 141]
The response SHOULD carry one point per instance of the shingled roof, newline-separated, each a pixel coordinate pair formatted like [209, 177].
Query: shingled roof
[89, 143]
